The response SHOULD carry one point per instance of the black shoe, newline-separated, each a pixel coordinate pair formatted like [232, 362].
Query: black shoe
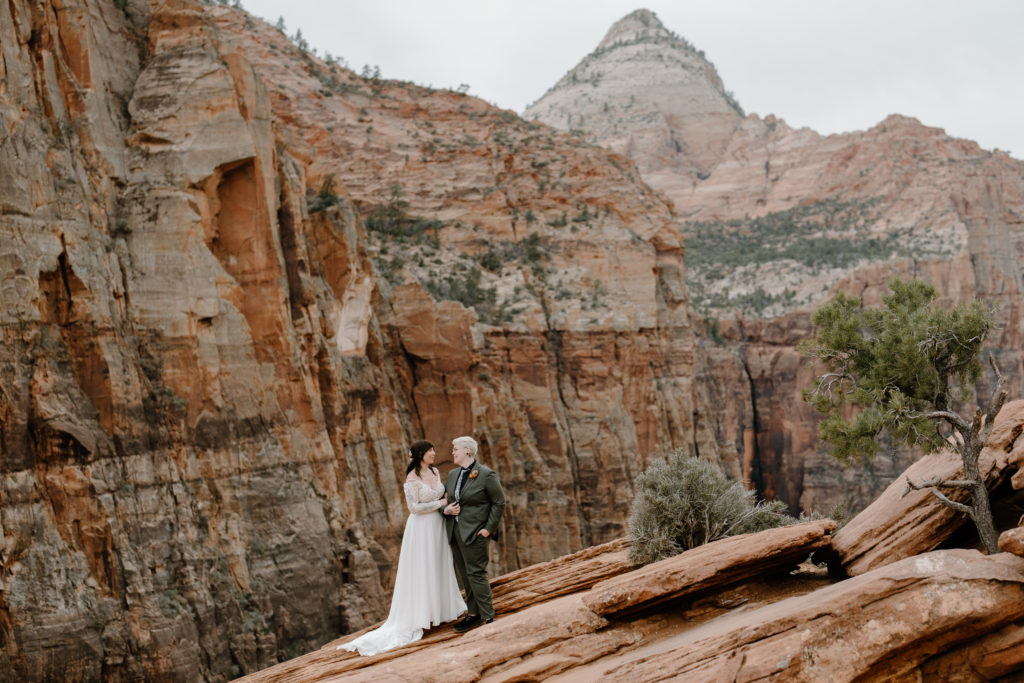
[490, 621]
[470, 622]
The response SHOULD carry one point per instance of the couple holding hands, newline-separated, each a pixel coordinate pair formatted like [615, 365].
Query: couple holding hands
[448, 529]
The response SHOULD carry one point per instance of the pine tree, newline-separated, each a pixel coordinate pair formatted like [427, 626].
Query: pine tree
[898, 369]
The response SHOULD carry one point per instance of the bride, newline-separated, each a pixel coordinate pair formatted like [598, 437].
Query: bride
[426, 593]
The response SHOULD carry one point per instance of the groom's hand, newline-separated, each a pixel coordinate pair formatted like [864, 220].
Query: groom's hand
[452, 510]
[483, 532]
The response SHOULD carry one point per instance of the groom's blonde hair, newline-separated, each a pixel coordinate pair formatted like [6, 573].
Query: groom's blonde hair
[467, 442]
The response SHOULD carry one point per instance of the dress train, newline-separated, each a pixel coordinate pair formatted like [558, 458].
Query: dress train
[426, 592]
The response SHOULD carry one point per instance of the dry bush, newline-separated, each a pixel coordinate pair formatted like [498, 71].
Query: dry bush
[684, 502]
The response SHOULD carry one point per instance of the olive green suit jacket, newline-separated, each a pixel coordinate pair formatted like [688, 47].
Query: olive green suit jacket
[481, 500]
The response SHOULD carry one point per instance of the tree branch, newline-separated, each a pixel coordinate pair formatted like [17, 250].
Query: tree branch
[935, 481]
[942, 498]
[830, 379]
[960, 423]
[995, 403]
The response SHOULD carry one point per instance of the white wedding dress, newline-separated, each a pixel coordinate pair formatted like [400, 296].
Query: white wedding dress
[426, 593]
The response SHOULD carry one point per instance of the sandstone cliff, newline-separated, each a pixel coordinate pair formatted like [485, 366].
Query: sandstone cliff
[776, 220]
[238, 281]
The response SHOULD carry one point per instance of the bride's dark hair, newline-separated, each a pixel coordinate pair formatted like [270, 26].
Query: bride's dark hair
[417, 451]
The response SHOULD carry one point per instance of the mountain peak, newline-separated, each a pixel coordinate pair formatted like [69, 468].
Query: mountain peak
[637, 25]
[647, 93]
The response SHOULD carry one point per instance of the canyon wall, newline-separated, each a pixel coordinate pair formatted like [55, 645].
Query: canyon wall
[237, 282]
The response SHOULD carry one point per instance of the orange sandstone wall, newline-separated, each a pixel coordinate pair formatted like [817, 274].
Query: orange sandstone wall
[208, 382]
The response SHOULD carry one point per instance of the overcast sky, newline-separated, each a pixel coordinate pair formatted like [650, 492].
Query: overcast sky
[831, 65]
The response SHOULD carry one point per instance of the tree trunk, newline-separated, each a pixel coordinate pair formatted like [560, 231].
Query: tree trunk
[981, 509]
[983, 518]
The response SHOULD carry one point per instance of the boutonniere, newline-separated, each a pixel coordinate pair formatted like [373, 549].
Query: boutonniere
[472, 475]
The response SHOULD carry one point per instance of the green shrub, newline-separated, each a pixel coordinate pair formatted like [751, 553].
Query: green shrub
[825, 235]
[684, 502]
[122, 228]
[529, 250]
[326, 197]
[392, 221]
[559, 222]
[467, 290]
[490, 260]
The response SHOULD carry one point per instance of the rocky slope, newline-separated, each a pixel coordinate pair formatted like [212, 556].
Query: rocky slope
[944, 615]
[751, 607]
[776, 220]
[238, 281]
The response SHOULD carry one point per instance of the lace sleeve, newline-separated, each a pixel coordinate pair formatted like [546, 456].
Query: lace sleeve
[416, 506]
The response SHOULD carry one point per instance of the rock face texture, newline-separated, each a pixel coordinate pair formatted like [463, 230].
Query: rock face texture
[894, 622]
[237, 282]
[945, 612]
[1012, 541]
[709, 567]
[169, 479]
[776, 220]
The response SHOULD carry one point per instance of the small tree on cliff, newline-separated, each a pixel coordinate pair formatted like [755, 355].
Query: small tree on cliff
[900, 367]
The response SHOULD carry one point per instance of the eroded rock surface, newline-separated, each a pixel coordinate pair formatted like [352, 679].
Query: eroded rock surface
[891, 622]
[1012, 541]
[709, 567]
[932, 614]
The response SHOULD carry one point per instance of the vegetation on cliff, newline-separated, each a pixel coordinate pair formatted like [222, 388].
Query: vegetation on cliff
[731, 263]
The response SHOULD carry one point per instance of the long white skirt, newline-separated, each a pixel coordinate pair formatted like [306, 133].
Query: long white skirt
[426, 592]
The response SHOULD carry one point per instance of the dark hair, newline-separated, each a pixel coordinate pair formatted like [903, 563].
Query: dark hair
[417, 451]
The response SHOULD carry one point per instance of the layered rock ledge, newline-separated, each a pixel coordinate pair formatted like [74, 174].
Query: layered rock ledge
[705, 616]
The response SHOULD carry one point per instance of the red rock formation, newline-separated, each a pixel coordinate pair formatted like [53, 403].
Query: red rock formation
[888, 623]
[213, 357]
[1012, 541]
[560, 576]
[211, 367]
[946, 611]
[709, 567]
[898, 200]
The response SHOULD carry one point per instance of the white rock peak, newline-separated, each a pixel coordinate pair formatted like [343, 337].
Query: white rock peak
[648, 94]
[642, 24]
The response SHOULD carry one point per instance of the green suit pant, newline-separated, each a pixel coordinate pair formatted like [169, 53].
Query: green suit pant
[471, 563]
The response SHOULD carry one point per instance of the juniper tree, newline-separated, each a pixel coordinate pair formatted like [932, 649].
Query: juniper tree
[899, 369]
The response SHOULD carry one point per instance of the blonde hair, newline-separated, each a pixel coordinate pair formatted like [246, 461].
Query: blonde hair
[466, 442]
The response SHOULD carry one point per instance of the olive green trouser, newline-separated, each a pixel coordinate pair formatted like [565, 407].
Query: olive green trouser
[471, 563]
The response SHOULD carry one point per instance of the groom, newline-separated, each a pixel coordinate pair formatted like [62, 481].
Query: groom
[471, 518]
